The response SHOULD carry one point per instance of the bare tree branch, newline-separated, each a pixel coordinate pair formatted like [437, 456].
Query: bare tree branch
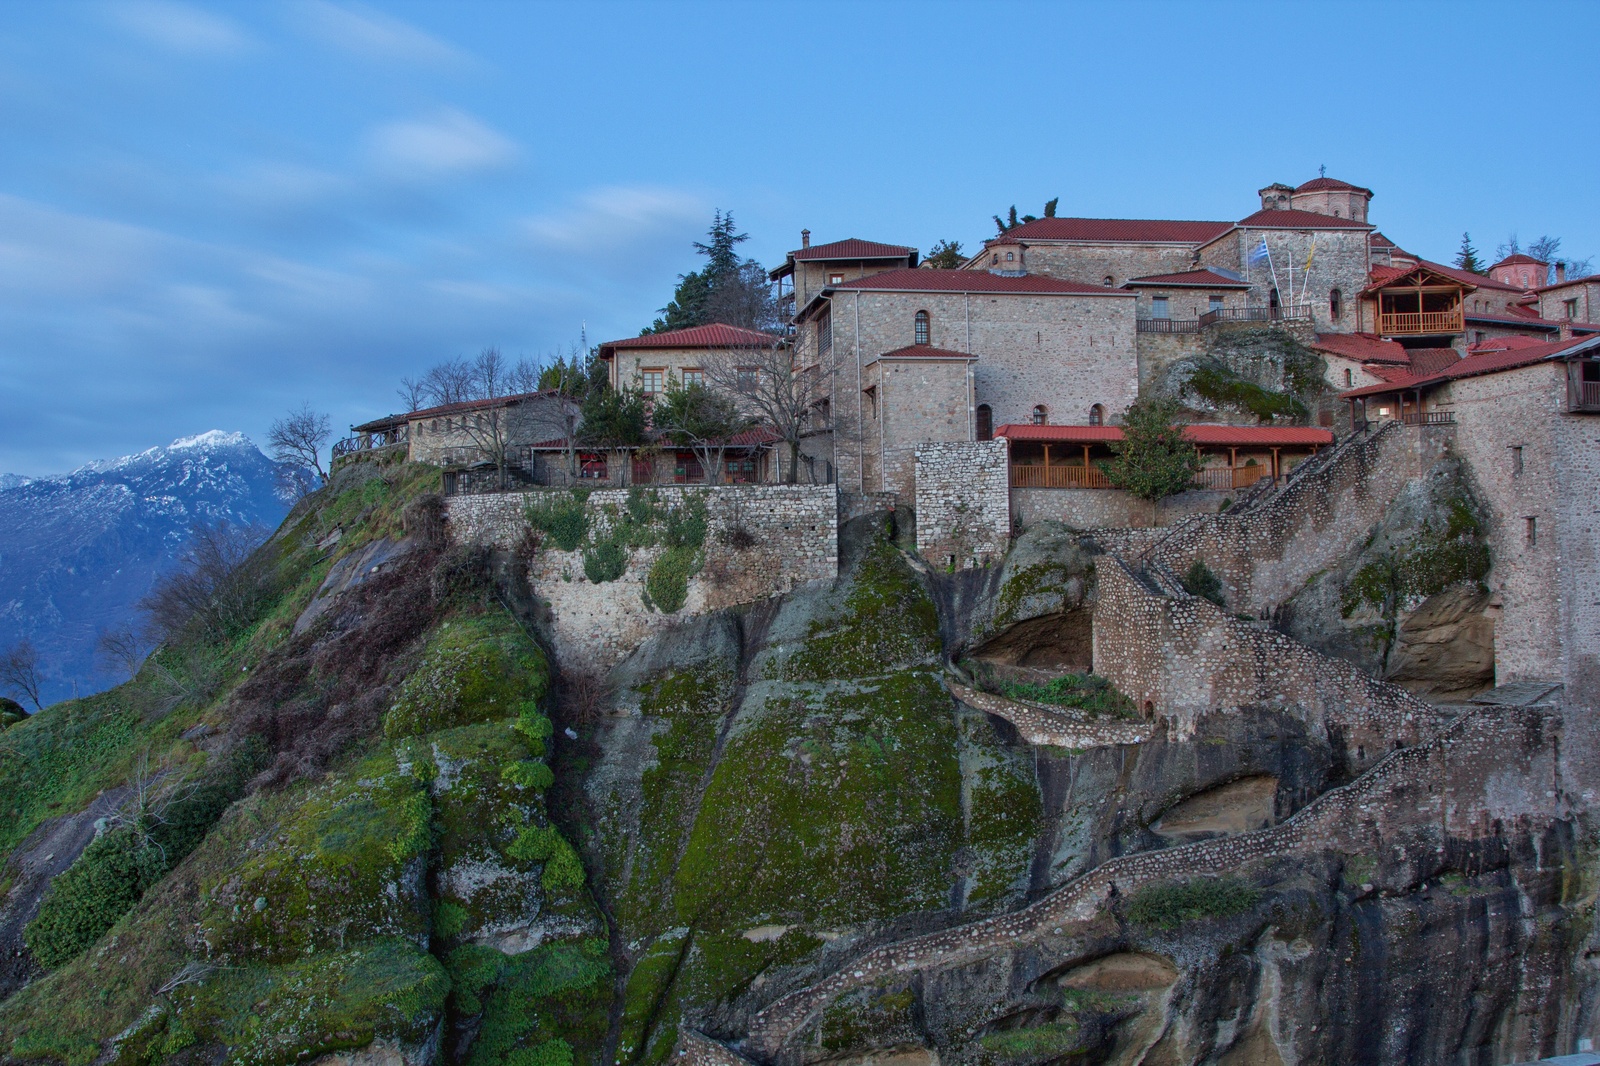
[121, 647]
[778, 392]
[413, 394]
[19, 671]
[298, 438]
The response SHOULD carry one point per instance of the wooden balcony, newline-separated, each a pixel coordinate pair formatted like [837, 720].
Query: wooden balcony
[1228, 478]
[1166, 325]
[1400, 323]
[1224, 315]
[1429, 418]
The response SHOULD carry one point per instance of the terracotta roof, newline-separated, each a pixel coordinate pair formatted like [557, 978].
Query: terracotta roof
[1466, 277]
[1426, 361]
[446, 410]
[1522, 321]
[1224, 436]
[1381, 276]
[1319, 184]
[853, 248]
[1270, 219]
[1592, 279]
[1487, 362]
[925, 351]
[1500, 344]
[715, 335]
[916, 280]
[1114, 230]
[1205, 279]
[1362, 347]
[1389, 371]
[1518, 260]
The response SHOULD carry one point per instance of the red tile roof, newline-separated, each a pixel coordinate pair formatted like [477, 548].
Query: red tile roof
[715, 335]
[926, 351]
[1500, 344]
[853, 248]
[1466, 277]
[1592, 279]
[1518, 260]
[1205, 279]
[1389, 371]
[1270, 219]
[1362, 347]
[1117, 230]
[1425, 361]
[919, 280]
[1518, 318]
[1488, 362]
[1223, 436]
[1319, 184]
[446, 410]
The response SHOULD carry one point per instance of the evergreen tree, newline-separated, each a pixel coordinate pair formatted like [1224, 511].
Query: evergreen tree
[945, 255]
[1153, 459]
[614, 418]
[727, 289]
[1011, 221]
[1467, 257]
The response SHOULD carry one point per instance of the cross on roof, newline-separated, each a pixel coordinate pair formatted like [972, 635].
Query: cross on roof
[1322, 171]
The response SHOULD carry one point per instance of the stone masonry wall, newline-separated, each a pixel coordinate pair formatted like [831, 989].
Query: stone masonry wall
[963, 502]
[796, 541]
[1180, 657]
[1264, 554]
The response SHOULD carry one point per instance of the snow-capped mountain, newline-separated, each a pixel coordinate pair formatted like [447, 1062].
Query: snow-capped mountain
[79, 550]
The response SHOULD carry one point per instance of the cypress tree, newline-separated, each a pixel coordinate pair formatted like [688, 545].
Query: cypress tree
[1467, 257]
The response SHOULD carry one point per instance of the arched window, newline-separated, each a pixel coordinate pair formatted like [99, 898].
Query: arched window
[985, 422]
[922, 327]
[1335, 303]
[1097, 415]
[1108, 281]
[1041, 415]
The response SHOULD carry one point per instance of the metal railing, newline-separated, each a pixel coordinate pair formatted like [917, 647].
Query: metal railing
[1166, 325]
[1254, 314]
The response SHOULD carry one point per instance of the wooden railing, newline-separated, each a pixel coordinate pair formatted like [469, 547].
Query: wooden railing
[369, 442]
[1586, 396]
[1429, 418]
[1399, 322]
[1216, 478]
[1254, 314]
[1059, 477]
[1166, 325]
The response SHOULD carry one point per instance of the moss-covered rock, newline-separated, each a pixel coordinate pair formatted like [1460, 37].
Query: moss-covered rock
[474, 669]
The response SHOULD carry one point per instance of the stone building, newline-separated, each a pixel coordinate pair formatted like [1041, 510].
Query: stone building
[1524, 420]
[809, 269]
[919, 356]
[651, 362]
[470, 433]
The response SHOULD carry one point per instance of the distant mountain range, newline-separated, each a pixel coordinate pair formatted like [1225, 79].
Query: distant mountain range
[78, 551]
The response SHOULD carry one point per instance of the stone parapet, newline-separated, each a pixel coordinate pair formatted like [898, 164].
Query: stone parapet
[1042, 724]
[963, 502]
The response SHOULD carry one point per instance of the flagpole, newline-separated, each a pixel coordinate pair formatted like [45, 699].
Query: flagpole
[1270, 265]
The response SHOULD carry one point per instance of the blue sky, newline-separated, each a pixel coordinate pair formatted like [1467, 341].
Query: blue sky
[210, 212]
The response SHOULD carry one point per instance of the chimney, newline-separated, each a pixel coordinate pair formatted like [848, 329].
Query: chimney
[1561, 272]
[805, 238]
[1564, 330]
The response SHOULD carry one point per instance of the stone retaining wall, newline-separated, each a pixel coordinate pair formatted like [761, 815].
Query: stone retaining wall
[1041, 724]
[1180, 657]
[963, 502]
[793, 540]
[1265, 553]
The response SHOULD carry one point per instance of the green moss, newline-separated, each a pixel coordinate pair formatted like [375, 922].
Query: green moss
[554, 994]
[1003, 821]
[646, 993]
[888, 621]
[329, 867]
[842, 807]
[1223, 388]
[1039, 1042]
[868, 1017]
[1171, 904]
[272, 1015]
[1437, 556]
[1038, 580]
[473, 669]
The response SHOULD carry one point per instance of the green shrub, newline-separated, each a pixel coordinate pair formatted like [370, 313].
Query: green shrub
[1199, 581]
[1153, 459]
[1226, 389]
[533, 1004]
[685, 524]
[449, 918]
[535, 843]
[564, 517]
[1047, 1041]
[95, 891]
[604, 561]
[666, 586]
[416, 836]
[529, 774]
[473, 670]
[1170, 904]
[563, 871]
[1088, 692]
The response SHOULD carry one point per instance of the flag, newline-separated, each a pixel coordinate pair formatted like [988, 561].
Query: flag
[1259, 253]
[1310, 255]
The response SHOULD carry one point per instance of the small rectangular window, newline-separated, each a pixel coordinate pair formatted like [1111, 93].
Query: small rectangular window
[835, 279]
[1516, 460]
[1216, 303]
[824, 334]
[1533, 530]
[1158, 307]
[653, 382]
[1572, 310]
[693, 376]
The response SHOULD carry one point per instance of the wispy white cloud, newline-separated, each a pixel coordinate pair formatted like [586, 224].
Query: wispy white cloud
[438, 144]
[180, 27]
[359, 29]
[614, 215]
